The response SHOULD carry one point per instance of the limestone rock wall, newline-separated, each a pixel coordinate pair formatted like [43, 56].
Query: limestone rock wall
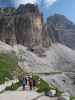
[25, 26]
[7, 29]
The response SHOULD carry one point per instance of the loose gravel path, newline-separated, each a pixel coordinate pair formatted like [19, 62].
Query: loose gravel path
[23, 95]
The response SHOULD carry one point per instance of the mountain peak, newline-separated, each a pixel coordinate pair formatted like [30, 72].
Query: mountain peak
[59, 18]
[31, 8]
[62, 29]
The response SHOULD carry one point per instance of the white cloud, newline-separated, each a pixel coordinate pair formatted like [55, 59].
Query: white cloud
[27, 1]
[39, 2]
[49, 2]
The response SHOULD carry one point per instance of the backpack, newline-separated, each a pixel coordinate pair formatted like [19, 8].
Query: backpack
[24, 81]
[30, 82]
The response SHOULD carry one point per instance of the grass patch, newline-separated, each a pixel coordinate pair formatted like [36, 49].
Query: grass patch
[8, 67]
[35, 77]
[43, 86]
[72, 98]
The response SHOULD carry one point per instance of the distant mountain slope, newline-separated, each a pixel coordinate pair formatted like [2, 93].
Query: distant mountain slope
[58, 57]
[61, 29]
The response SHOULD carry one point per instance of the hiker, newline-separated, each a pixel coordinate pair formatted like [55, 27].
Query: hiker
[26, 80]
[24, 83]
[30, 83]
[34, 83]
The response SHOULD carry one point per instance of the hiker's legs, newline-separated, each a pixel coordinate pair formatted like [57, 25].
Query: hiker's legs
[30, 87]
[23, 87]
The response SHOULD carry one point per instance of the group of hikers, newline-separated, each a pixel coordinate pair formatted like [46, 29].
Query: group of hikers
[28, 81]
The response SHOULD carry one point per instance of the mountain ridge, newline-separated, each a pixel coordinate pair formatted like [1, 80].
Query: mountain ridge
[25, 25]
[62, 30]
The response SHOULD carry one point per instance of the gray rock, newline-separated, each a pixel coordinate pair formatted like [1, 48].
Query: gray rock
[24, 26]
[62, 30]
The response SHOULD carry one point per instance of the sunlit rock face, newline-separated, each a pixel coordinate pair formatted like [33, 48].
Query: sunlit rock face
[37, 30]
[29, 26]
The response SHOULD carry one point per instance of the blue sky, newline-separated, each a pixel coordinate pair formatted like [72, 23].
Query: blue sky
[65, 7]
[49, 7]
[7, 3]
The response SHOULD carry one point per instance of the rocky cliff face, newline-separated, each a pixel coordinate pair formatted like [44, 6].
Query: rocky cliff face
[26, 26]
[7, 29]
[7, 25]
[61, 30]
[23, 26]
[29, 25]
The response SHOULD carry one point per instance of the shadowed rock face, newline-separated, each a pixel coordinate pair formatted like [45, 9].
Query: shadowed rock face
[7, 29]
[23, 26]
[7, 25]
[62, 30]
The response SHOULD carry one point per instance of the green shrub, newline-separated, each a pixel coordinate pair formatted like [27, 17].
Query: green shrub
[43, 86]
[14, 86]
[52, 87]
[58, 92]
[72, 98]
[35, 77]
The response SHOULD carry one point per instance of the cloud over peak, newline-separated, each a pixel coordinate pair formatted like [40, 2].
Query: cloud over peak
[39, 2]
[49, 2]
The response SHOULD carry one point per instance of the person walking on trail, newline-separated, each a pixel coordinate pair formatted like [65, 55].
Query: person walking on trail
[26, 80]
[30, 83]
[24, 83]
[34, 83]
